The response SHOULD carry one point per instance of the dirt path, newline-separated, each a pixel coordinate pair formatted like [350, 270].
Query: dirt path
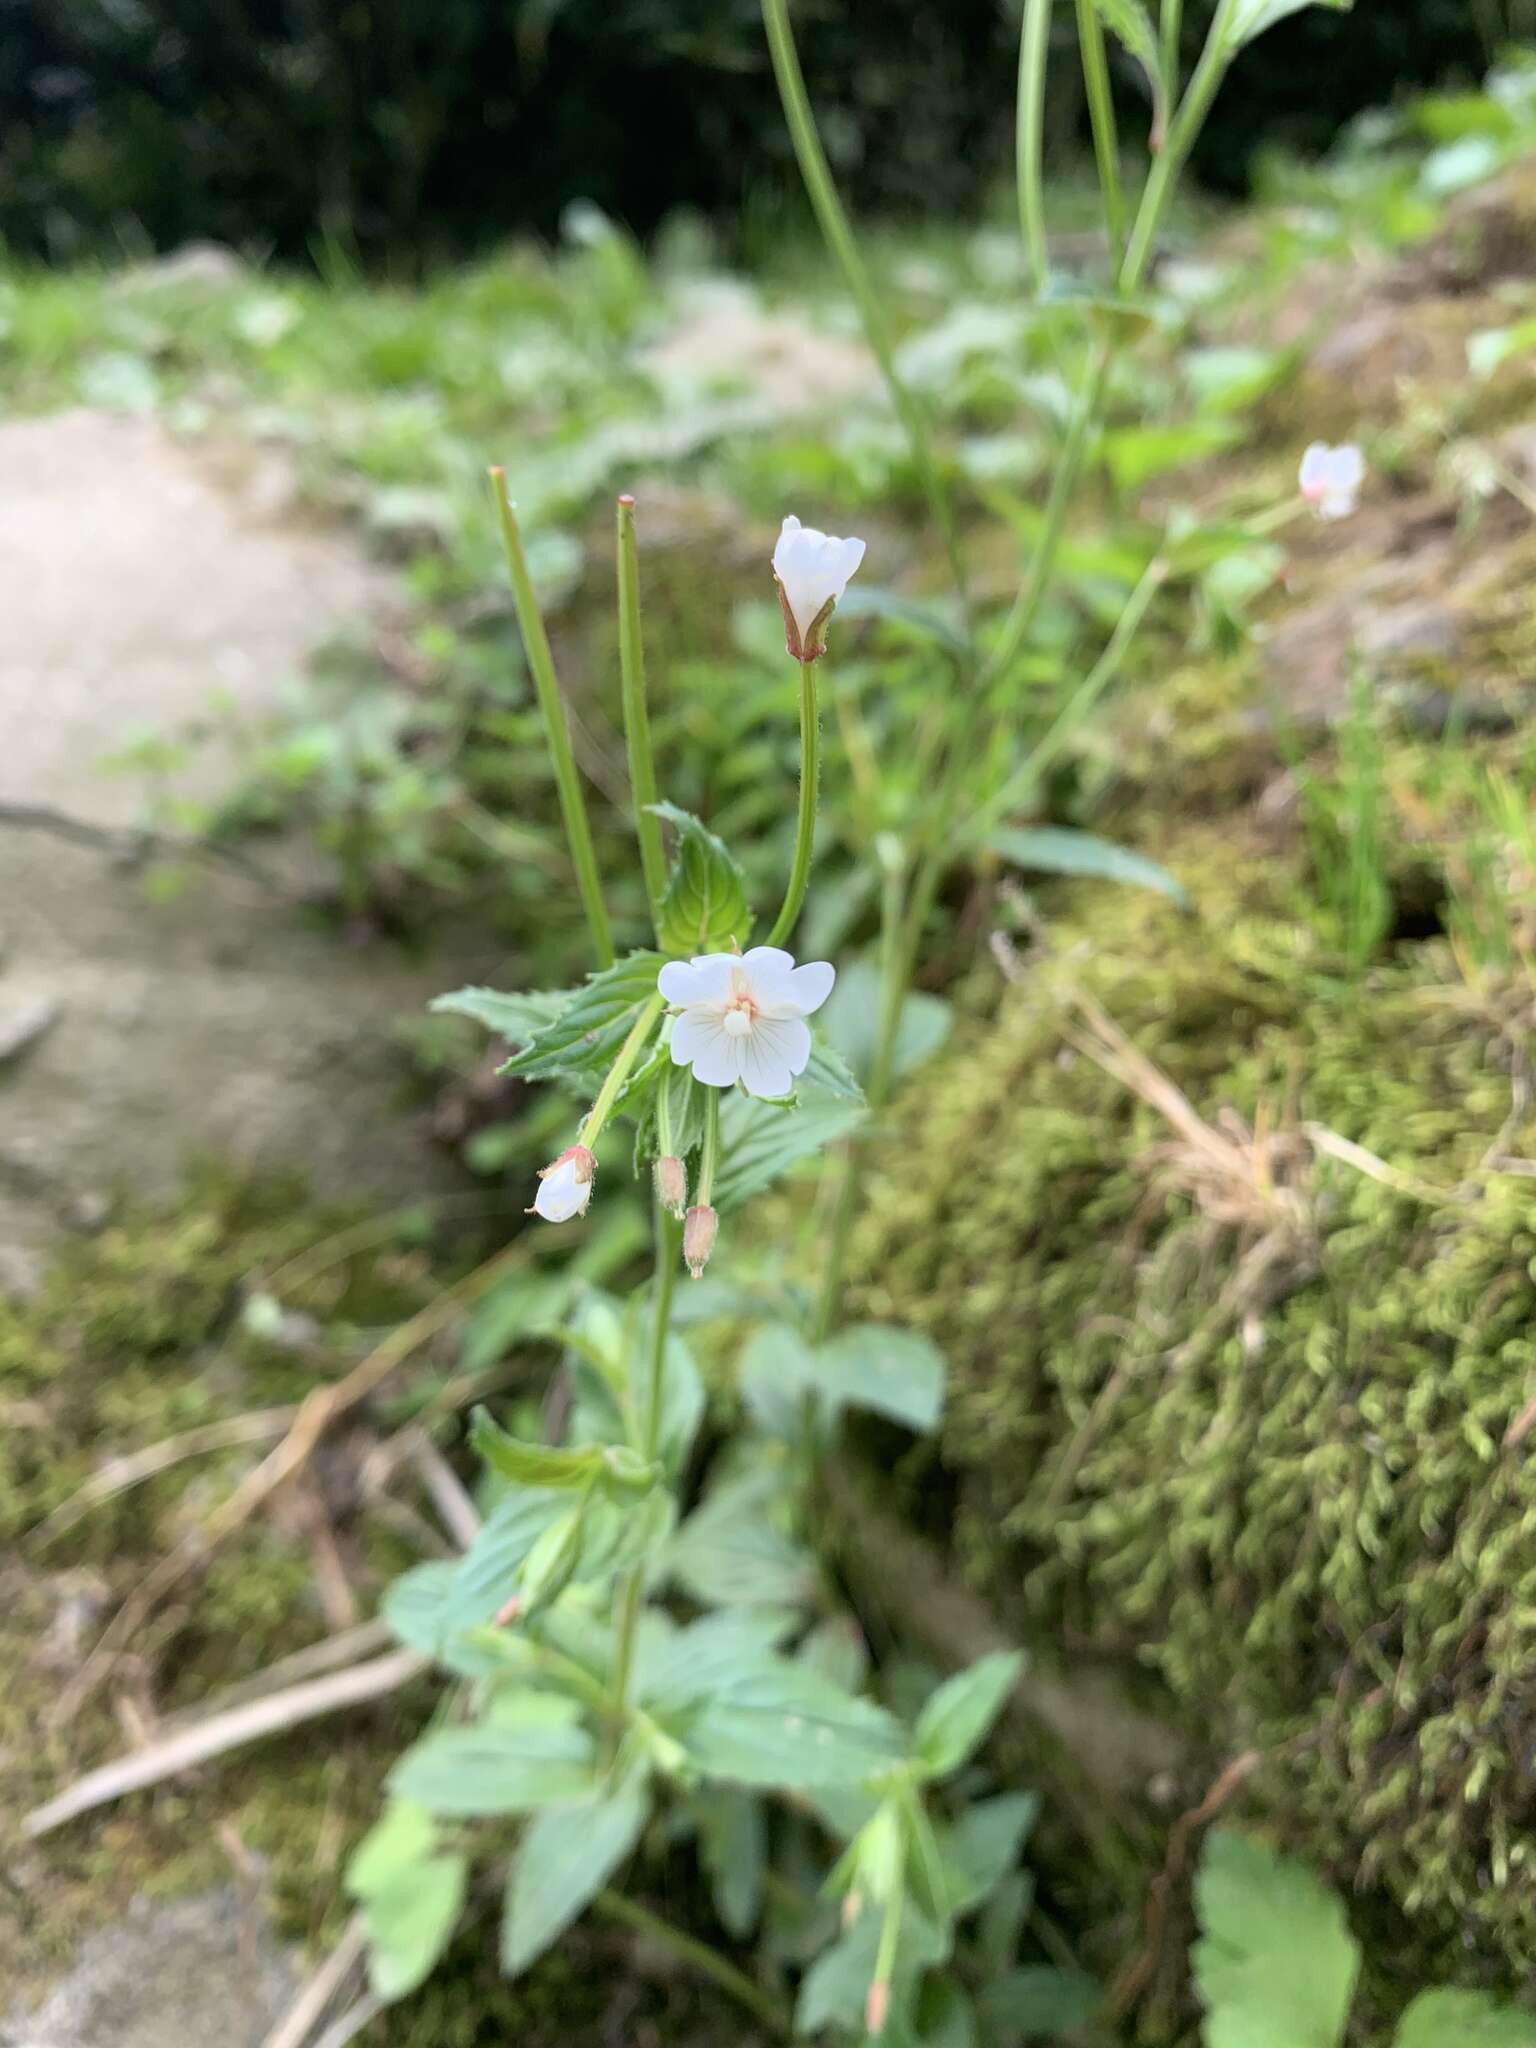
[136, 588]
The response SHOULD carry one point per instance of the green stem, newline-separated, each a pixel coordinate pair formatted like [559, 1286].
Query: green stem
[1071, 715]
[557, 734]
[1173, 30]
[805, 828]
[890, 1931]
[1029, 138]
[709, 1155]
[1178, 142]
[838, 235]
[637, 724]
[1106, 135]
[620, 1071]
[735, 1983]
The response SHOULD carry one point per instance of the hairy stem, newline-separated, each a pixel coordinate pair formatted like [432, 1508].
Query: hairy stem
[805, 826]
[637, 724]
[557, 734]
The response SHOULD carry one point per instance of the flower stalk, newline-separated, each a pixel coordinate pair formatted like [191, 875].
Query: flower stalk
[573, 809]
[619, 1073]
[637, 724]
[805, 823]
[1034, 52]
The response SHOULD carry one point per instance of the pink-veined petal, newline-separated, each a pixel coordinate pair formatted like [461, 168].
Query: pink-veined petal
[772, 1053]
[706, 978]
[767, 971]
[701, 1041]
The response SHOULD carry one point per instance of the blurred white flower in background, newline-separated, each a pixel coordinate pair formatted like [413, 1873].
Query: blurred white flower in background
[812, 571]
[1331, 479]
[742, 1016]
[565, 1186]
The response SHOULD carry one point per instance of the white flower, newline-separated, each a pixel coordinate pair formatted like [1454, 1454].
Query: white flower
[1331, 479]
[812, 571]
[565, 1186]
[743, 1016]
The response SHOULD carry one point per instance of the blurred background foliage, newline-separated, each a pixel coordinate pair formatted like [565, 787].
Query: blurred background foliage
[408, 129]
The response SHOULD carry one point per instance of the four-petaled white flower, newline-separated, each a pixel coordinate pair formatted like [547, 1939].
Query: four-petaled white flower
[1331, 479]
[565, 1186]
[743, 1016]
[812, 571]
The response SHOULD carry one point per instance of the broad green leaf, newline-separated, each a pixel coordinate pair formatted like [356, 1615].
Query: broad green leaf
[705, 906]
[1037, 2004]
[410, 1921]
[432, 1607]
[833, 1990]
[984, 1844]
[956, 1719]
[682, 1397]
[929, 621]
[1464, 2019]
[890, 1371]
[761, 1141]
[731, 1551]
[946, 2018]
[516, 1018]
[619, 1533]
[778, 1723]
[673, 1671]
[474, 1771]
[1136, 455]
[1230, 379]
[1251, 18]
[850, 1021]
[404, 1834]
[593, 1024]
[526, 1464]
[777, 1373]
[733, 1848]
[1052, 850]
[1276, 1967]
[563, 1860]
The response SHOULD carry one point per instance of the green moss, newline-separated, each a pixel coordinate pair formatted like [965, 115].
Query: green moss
[1263, 1465]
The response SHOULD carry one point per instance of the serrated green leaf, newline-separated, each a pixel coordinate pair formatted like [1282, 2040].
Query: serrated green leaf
[563, 1860]
[410, 1921]
[516, 1018]
[830, 1072]
[526, 1464]
[469, 1772]
[1051, 850]
[889, 1371]
[1251, 18]
[1276, 1967]
[705, 906]
[777, 1372]
[732, 1552]
[778, 1723]
[673, 1671]
[956, 1719]
[761, 1142]
[432, 1607]
[593, 1024]
[1464, 2019]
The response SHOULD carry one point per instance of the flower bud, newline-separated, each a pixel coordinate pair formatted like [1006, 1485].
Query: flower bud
[672, 1185]
[699, 1233]
[565, 1186]
[877, 2007]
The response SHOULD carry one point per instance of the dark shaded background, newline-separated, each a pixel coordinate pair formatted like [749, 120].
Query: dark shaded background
[403, 130]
